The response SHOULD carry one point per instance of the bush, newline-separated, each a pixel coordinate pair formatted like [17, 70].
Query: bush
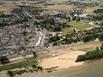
[89, 37]
[54, 39]
[98, 11]
[80, 58]
[37, 68]
[96, 54]
[100, 37]
[90, 56]
[13, 73]
[4, 60]
[10, 73]
[34, 66]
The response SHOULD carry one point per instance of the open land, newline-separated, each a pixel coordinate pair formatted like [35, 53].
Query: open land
[65, 57]
[62, 56]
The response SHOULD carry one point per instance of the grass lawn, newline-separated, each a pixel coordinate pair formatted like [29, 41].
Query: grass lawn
[87, 49]
[68, 29]
[79, 25]
[24, 63]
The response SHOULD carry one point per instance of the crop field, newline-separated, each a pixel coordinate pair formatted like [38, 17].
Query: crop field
[6, 7]
[76, 25]
[60, 7]
[90, 10]
[68, 29]
[79, 25]
[19, 64]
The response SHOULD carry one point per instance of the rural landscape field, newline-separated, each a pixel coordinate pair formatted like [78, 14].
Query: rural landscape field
[51, 38]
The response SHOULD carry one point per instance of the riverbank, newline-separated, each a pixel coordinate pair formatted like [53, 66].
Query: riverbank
[62, 61]
[65, 57]
[62, 57]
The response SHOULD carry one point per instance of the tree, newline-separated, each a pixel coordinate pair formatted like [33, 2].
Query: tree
[97, 49]
[95, 54]
[35, 55]
[4, 60]
[88, 37]
[99, 11]
[100, 37]
[10, 73]
[54, 39]
[101, 47]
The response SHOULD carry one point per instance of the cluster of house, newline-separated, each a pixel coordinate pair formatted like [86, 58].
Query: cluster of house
[10, 19]
[83, 3]
[79, 11]
[17, 40]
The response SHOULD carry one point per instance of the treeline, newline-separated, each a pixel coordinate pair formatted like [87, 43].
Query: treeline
[50, 23]
[74, 37]
[99, 11]
[92, 55]
[30, 65]
[34, 68]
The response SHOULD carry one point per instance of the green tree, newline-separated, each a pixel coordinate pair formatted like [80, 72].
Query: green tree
[35, 55]
[99, 11]
[54, 39]
[101, 47]
[100, 37]
[97, 49]
[10, 73]
[89, 37]
[4, 59]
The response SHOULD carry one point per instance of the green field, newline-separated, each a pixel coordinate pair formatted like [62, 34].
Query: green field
[86, 49]
[23, 63]
[76, 25]
[68, 29]
[79, 25]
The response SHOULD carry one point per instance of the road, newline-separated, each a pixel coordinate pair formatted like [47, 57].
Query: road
[39, 38]
[41, 34]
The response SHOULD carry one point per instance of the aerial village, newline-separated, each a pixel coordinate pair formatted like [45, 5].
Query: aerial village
[37, 27]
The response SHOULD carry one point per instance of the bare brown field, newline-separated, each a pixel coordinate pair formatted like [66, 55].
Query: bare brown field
[92, 45]
[62, 61]
[6, 7]
[60, 7]
[90, 10]
[65, 57]
[57, 1]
